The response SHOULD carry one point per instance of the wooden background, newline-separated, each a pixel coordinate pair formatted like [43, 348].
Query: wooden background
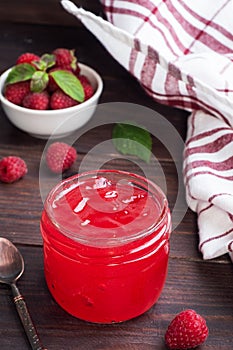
[207, 286]
[48, 12]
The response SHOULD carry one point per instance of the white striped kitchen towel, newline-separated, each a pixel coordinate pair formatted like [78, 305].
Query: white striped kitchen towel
[208, 176]
[181, 52]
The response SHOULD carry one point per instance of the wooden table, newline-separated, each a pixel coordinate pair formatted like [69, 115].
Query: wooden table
[206, 286]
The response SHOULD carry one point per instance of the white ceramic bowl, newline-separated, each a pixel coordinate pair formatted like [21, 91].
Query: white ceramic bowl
[53, 123]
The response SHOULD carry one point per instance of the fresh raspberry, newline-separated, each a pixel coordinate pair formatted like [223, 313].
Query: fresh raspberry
[60, 156]
[16, 92]
[65, 58]
[52, 85]
[88, 89]
[60, 100]
[27, 57]
[84, 80]
[12, 168]
[88, 92]
[36, 100]
[76, 70]
[186, 331]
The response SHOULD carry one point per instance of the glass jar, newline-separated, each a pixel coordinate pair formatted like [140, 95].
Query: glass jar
[106, 244]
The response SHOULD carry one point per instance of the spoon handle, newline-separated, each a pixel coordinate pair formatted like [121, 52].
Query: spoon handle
[26, 319]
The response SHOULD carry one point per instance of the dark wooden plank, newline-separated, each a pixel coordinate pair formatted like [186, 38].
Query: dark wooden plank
[48, 12]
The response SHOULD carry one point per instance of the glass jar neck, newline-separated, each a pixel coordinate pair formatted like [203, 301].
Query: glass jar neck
[106, 208]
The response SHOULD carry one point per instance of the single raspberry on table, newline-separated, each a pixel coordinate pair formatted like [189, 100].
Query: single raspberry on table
[65, 59]
[60, 156]
[60, 100]
[16, 92]
[36, 100]
[186, 331]
[27, 57]
[12, 168]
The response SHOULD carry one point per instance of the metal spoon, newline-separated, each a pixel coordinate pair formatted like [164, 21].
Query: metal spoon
[11, 268]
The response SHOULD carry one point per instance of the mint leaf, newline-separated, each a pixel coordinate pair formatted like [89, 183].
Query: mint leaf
[20, 72]
[69, 83]
[39, 81]
[74, 60]
[46, 61]
[130, 138]
[50, 60]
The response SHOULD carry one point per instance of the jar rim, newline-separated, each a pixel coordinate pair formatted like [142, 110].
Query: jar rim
[109, 241]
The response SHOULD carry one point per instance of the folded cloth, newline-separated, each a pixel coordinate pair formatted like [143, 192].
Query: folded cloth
[181, 53]
[208, 176]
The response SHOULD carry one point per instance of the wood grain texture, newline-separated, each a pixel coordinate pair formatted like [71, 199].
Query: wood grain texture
[49, 12]
[206, 286]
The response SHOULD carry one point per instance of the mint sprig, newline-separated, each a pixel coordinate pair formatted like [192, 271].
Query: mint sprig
[39, 73]
[20, 72]
[46, 61]
[39, 81]
[133, 139]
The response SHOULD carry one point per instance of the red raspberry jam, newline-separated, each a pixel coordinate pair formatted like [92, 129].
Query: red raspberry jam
[106, 245]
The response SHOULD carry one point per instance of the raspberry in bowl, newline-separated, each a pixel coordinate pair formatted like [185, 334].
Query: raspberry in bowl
[50, 95]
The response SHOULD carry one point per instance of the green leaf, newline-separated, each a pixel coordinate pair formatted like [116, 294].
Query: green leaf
[74, 60]
[130, 138]
[39, 81]
[69, 83]
[46, 61]
[20, 72]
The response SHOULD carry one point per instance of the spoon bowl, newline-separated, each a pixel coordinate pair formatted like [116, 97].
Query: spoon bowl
[11, 268]
[11, 262]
